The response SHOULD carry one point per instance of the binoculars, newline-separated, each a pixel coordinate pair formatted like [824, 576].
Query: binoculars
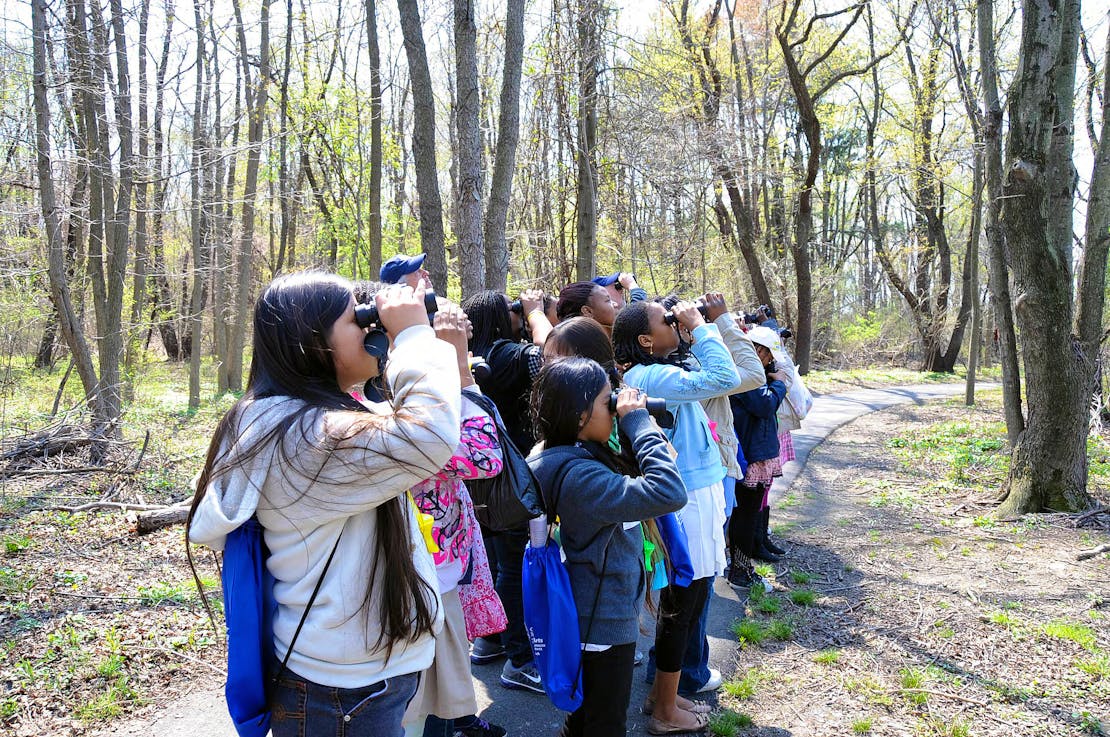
[479, 368]
[367, 315]
[657, 408]
[670, 319]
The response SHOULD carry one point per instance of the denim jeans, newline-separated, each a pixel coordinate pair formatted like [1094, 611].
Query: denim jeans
[302, 708]
[509, 549]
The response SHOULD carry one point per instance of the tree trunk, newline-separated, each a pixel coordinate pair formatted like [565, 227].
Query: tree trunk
[468, 205]
[164, 314]
[1048, 468]
[424, 145]
[257, 89]
[196, 305]
[142, 198]
[375, 138]
[69, 323]
[504, 161]
[589, 59]
[998, 272]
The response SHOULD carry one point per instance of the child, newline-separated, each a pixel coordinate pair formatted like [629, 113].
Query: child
[326, 478]
[757, 428]
[600, 500]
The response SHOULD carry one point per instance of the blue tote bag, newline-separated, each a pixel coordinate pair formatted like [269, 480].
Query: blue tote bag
[673, 535]
[248, 609]
[552, 623]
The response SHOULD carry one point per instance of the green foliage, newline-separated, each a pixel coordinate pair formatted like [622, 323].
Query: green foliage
[969, 451]
[803, 597]
[861, 726]
[1080, 634]
[749, 684]
[728, 723]
[749, 632]
[163, 593]
[827, 657]
[801, 578]
[16, 544]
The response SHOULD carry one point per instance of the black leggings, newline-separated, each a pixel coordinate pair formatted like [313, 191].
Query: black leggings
[678, 608]
[606, 691]
[744, 521]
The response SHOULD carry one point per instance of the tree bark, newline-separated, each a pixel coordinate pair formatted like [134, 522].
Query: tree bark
[504, 161]
[257, 88]
[375, 138]
[69, 323]
[1048, 467]
[589, 59]
[424, 145]
[468, 152]
[998, 279]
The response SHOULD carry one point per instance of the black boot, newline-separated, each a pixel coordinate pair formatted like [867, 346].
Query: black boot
[767, 542]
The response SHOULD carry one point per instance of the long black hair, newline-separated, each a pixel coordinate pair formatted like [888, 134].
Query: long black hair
[291, 358]
[584, 337]
[562, 392]
[489, 314]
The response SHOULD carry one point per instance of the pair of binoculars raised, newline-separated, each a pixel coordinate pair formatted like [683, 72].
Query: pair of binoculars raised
[670, 319]
[367, 315]
[657, 408]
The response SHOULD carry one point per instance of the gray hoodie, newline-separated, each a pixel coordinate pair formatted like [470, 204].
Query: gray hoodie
[593, 502]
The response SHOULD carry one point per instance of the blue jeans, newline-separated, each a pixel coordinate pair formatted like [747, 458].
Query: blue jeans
[302, 708]
[509, 549]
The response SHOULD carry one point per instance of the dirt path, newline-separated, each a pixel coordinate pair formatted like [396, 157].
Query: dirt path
[929, 617]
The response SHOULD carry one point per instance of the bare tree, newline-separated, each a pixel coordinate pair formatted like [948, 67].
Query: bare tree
[589, 24]
[424, 145]
[1048, 466]
[504, 162]
[375, 137]
[468, 152]
[257, 87]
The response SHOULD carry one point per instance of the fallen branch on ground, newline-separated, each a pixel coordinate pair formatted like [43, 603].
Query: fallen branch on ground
[96, 506]
[1086, 554]
[156, 519]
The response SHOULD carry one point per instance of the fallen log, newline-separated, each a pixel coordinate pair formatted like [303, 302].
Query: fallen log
[1093, 552]
[154, 520]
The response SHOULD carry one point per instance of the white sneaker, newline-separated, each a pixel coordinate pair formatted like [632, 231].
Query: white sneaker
[714, 682]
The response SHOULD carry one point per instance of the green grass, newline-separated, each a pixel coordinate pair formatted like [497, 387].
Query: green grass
[969, 450]
[746, 687]
[801, 578]
[765, 569]
[165, 593]
[1098, 666]
[912, 679]
[768, 605]
[112, 702]
[861, 726]
[1080, 634]
[16, 544]
[749, 632]
[728, 723]
[827, 657]
[803, 597]
[781, 629]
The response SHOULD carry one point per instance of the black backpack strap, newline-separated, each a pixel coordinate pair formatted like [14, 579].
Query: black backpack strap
[311, 599]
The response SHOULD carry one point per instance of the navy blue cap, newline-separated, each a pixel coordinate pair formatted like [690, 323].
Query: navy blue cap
[605, 281]
[395, 268]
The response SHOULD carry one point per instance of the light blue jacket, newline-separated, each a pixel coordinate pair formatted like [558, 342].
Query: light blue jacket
[699, 460]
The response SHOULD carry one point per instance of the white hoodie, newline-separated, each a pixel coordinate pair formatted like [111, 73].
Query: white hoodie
[325, 478]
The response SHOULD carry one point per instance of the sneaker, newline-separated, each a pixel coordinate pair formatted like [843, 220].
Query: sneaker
[714, 682]
[525, 677]
[486, 650]
[741, 578]
[478, 727]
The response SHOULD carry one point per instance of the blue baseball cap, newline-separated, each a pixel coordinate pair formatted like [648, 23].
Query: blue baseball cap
[606, 281]
[397, 267]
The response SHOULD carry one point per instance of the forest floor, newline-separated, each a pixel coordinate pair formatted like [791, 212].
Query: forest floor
[903, 607]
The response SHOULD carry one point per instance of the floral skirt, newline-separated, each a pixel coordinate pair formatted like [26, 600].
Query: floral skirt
[762, 472]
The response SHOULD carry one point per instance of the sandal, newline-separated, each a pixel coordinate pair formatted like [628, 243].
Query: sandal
[696, 707]
[658, 726]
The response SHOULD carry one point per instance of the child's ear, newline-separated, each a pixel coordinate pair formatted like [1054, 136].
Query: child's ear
[581, 420]
[645, 341]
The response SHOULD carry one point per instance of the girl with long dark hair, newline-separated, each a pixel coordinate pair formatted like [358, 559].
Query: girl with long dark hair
[513, 366]
[600, 499]
[644, 341]
[586, 299]
[326, 477]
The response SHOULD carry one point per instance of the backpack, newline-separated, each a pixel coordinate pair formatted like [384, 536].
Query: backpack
[249, 608]
[508, 500]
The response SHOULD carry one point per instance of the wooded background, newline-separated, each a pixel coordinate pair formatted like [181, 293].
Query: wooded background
[898, 178]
